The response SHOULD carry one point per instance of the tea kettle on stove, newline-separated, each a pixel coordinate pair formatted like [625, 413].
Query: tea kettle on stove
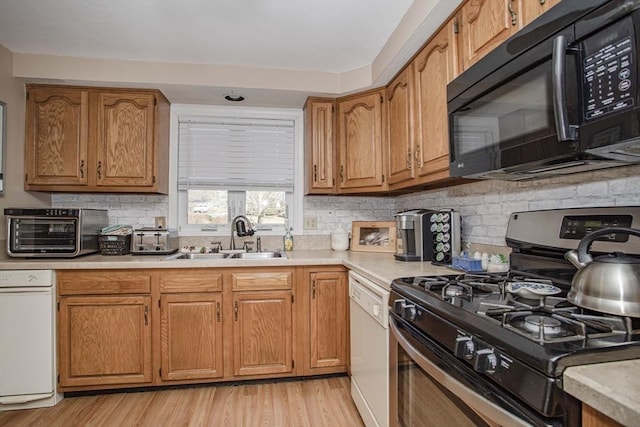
[609, 283]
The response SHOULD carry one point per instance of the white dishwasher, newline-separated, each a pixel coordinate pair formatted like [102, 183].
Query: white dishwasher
[27, 339]
[369, 323]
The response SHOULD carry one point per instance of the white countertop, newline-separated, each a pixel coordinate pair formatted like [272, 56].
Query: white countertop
[382, 268]
[611, 388]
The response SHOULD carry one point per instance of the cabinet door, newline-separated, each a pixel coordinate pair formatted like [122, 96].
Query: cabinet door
[191, 336]
[484, 25]
[319, 146]
[125, 140]
[360, 142]
[400, 127]
[104, 340]
[56, 136]
[435, 67]
[262, 330]
[328, 320]
[531, 9]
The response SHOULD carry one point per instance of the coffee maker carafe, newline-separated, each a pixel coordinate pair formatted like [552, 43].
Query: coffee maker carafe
[428, 235]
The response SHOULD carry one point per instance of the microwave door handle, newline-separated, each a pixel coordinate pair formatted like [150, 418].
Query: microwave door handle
[566, 132]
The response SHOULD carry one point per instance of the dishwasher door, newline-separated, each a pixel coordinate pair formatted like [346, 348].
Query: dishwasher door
[27, 340]
[369, 350]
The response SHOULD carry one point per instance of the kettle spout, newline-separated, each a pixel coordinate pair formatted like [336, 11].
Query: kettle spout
[572, 257]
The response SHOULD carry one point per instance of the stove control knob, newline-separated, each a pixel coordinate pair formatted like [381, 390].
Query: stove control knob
[465, 347]
[486, 361]
[397, 305]
[409, 312]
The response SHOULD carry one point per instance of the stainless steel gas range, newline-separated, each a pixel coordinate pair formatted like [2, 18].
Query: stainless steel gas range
[474, 349]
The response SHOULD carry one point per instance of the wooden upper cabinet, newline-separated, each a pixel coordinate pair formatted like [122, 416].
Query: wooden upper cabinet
[56, 137]
[125, 139]
[531, 9]
[483, 25]
[81, 139]
[435, 66]
[360, 142]
[319, 115]
[400, 127]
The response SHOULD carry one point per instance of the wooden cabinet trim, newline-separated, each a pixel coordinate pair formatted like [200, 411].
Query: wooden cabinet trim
[190, 280]
[261, 280]
[102, 282]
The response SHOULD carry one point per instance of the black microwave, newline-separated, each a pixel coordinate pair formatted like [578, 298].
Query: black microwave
[53, 232]
[560, 96]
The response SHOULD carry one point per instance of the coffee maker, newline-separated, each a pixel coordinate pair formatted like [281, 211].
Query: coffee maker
[428, 235]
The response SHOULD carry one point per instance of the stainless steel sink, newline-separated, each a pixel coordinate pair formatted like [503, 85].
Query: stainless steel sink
[240, 255]
[196, 256]
[258, 255]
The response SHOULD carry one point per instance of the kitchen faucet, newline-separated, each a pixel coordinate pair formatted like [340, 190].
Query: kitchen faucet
[243, 228]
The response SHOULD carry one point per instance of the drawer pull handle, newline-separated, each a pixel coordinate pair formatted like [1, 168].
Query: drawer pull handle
[235, 310]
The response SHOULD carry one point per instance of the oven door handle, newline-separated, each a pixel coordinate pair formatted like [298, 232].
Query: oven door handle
[484, 407]
[566, 132]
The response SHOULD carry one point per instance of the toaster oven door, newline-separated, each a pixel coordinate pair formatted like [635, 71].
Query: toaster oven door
[33, 235]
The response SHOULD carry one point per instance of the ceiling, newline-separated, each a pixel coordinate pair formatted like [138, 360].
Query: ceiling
[312, 37]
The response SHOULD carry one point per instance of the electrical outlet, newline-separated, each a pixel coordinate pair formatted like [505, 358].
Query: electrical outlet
[310, 223]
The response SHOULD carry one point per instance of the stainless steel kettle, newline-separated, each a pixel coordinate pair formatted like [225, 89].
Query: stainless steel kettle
[609, 283]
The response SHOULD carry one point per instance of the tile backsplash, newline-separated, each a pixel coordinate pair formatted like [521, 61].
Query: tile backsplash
[484, 206]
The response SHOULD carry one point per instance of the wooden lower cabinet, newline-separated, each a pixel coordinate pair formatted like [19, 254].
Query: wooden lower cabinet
[132, 328]
[328, 325]
[191, 336]
[262, 332]
[104, 340]
[593, 418]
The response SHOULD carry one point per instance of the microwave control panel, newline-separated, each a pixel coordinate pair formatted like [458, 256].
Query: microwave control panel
[609, 71]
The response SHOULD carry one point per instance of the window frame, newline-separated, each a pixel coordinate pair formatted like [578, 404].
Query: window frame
[176, 200]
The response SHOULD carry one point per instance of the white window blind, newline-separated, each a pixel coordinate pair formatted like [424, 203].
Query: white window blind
[235, 153]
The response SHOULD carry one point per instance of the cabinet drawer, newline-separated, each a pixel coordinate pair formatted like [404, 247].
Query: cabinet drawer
[103, 282]
[261, 280]
[176, 281]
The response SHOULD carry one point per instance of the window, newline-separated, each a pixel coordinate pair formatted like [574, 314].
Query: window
[236, 162]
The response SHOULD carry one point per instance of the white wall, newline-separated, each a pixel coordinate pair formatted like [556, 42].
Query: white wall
[485, 206]
[13, 93]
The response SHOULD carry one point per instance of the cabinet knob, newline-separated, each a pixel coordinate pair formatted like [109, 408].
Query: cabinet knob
[81, 168]
[99, 169]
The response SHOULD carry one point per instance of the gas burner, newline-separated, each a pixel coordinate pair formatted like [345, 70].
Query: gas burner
[544, 327]
[549, 325]
[455, 291]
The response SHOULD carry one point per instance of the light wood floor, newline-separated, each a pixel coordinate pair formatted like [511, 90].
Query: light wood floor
[311, 402]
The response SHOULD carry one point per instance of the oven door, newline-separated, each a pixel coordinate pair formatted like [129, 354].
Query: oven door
[50, 235]
[430, 387]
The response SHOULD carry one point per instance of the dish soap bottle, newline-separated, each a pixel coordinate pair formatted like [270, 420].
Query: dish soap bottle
[288, 240]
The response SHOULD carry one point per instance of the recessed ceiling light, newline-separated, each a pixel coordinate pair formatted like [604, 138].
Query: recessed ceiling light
[234, 97]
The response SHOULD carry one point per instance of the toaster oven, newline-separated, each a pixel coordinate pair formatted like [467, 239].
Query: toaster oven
[53, 232]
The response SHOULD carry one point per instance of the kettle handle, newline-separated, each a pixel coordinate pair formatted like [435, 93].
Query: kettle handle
[585, 243]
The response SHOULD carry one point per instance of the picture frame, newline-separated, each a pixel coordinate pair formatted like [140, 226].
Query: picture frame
[373, 236]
